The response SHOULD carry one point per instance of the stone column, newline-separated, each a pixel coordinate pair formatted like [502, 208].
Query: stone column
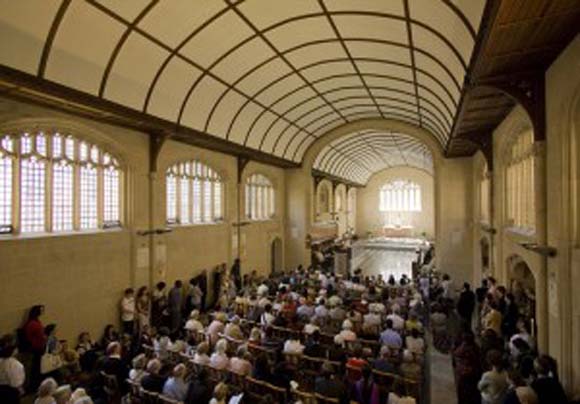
[540, 199]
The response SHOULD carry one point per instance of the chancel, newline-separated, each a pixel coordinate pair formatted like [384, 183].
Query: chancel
[289, 201]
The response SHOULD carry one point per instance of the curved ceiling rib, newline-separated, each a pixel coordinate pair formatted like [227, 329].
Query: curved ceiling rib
[271, 76]
[378, 150]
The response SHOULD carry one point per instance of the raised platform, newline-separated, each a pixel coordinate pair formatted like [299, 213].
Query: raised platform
[392, 243]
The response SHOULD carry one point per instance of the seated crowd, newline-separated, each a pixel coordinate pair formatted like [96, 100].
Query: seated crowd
[302, 336]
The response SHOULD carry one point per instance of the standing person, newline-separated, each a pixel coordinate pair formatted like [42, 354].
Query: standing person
[493, 384]
[159, 305]
[12, 374]
[202, 283]
[511, 314]
[466, 361]
[465, 306]
[546, 385]
[142, 306]
[128, 311]
[236, 273]
[36, 342]
[175, 304]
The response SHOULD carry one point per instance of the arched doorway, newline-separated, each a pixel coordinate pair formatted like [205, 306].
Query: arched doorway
[522, 284]
[276, 255]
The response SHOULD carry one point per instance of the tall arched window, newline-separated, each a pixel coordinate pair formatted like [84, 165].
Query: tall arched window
[260, 199]
[521, 209]
[400, 196]
[193, 194]
[53, 182]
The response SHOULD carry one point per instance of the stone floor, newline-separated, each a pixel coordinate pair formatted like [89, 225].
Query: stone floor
[442, 380]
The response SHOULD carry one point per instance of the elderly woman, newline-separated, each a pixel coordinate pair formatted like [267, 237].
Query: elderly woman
[240, 363]
[175, 387]
[193, 325]
[162, 344]
[201, 355]
[219, 359]
[153, 381]
[46, 391]
[233, 329]
[216, 327]
[139, 362]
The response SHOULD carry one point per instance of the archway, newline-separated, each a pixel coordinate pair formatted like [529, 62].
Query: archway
[522, 284]
[276, 255]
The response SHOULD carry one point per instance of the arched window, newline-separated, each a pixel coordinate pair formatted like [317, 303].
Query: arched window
[193, 194]
[400, 196]
[521, 208]
[338, 207]
[53, 182]
[260, 199]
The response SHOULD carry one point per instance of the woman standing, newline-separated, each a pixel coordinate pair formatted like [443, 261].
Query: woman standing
[36, 341]
[142, 306]
[466, 360]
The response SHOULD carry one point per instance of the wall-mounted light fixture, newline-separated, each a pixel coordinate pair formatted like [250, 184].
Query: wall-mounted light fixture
[154, 231]
[543, 250]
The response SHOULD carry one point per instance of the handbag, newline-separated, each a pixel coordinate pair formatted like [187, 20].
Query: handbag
[49, 362]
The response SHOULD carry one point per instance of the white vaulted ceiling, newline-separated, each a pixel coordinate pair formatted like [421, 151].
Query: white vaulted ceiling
[357, 156]
[272, 75]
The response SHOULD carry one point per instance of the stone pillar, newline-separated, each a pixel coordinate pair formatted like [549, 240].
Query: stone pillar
[542, 289]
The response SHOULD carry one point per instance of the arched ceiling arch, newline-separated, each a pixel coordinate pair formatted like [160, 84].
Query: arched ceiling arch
[358, 155]
[269, 75]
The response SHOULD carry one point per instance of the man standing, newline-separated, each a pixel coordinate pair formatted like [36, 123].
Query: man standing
[202, 283]
[237, 274]
[128, 311]
[175, 305]
[465, 306]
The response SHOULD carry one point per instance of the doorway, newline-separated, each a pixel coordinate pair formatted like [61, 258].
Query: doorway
[276, 255]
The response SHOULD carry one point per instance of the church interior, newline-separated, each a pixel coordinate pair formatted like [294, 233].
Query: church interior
[289, 201]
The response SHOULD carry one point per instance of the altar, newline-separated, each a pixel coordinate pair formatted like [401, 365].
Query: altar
[397, 231]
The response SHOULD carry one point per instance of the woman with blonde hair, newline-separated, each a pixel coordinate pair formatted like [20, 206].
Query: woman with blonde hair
[139, 362]
[201, 355]
[176, 387]
[220, 394]
[46, 391]
[219, 359]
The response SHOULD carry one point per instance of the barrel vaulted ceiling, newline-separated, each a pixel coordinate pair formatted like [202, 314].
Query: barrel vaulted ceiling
[359, 155]
[271, 75]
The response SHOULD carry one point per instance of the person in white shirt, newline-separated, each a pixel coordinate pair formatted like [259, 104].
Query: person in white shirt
[321, 311]
[398, 321]
[267, 318]
[263, 290]
[139, 362]
[128, 311]
[293, 346]
[372, 321]
[12, 373]
[162, 345]
[346, 335]
[219, 359]
[193, 325]
[311, 326]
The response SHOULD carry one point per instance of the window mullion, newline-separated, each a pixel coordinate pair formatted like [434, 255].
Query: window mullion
[16, 184]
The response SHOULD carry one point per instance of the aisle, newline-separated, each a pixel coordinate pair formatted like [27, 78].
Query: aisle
[374, 261]
[442, 380]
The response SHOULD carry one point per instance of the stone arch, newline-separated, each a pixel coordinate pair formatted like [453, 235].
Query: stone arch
[324, 196]
[523, 283]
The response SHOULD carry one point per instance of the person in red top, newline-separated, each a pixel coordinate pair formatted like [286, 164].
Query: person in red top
[36, 341]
